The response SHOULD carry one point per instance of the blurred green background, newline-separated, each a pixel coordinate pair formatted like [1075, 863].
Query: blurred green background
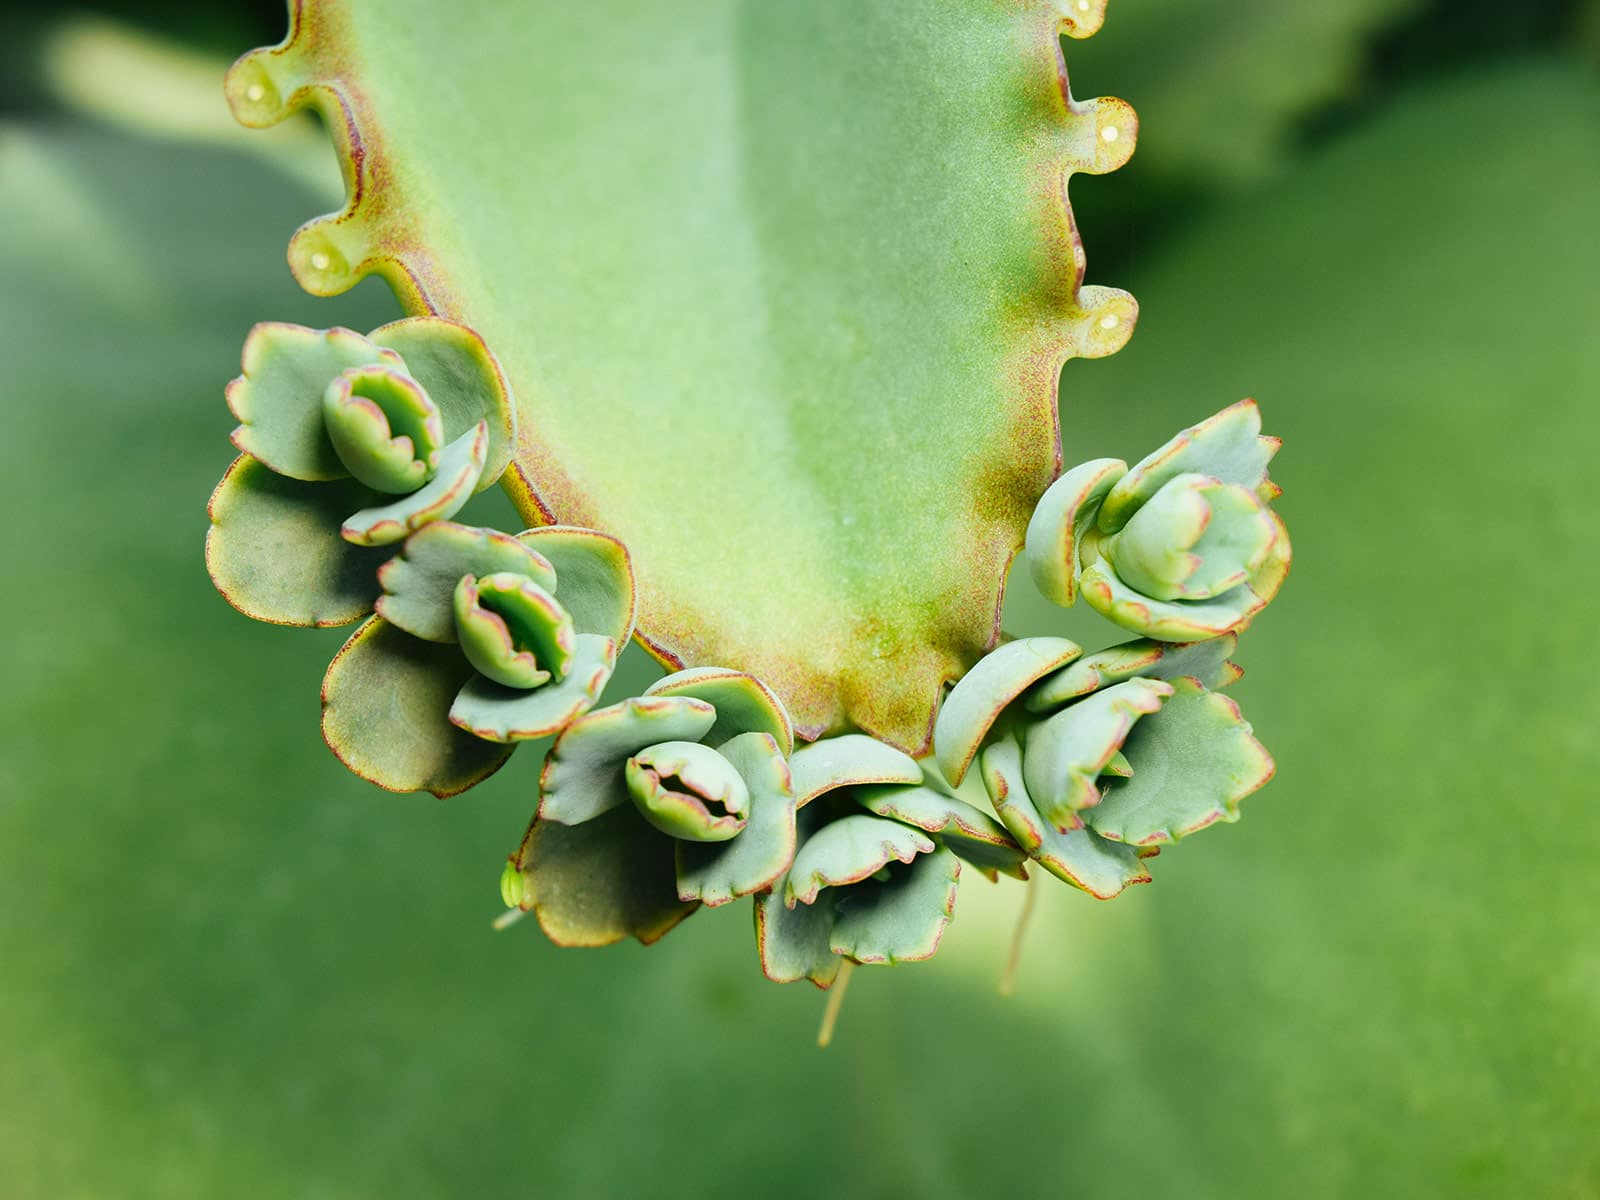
[227, 967]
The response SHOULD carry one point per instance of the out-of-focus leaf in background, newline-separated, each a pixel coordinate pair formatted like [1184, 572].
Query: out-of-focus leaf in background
[123, 75]
[1227, 82]
[1228, 94]
[231, 968]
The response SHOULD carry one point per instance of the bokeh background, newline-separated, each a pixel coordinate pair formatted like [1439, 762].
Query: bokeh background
[227, 967]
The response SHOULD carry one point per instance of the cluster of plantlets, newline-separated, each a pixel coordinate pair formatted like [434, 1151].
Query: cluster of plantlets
[694, 793]
[866, 421]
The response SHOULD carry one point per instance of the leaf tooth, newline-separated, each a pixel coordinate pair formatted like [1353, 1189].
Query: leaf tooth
[267, 85]
[331, 254]
[1101, 322]
[1098, 137]
[1081, 18]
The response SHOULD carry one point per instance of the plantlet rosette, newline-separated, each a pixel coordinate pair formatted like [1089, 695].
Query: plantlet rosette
[653, 806]
[1095, 765]
[348, 444]
[805, 362]
[478, 637]
[805, 273]
[879, 853]
[1181, 547]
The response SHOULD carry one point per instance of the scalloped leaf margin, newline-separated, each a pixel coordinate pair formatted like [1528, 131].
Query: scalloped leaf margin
[908, 624]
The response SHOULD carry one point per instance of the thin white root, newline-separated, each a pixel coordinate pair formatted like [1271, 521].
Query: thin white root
[830, 1015]
[509, 918]
[1008, 979]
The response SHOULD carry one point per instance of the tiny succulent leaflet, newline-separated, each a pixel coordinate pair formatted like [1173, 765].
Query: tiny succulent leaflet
[844, 732]
[1183, 546]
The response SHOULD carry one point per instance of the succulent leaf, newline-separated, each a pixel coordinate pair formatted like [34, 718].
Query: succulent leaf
[386, 713]
[849, 760]
[419, 583]
[969, 125]
[512, 630]
[1081, 857]
[594, 578]
[1227, 446]
[796, 943]
[977, 701]
[1192, 763]
[1170, 620]
[688, 791]
[848, 851]
[490, 710]
[718, 872]
[1063, 515]
[970, 832]
[1208, 661]
[460, 467]
[383, 427]
[1065, 753]
[463, 379]
[744, 704]
[278, 399]
[1182, 547]
[902, 918]
[274, 550]
[596, 883]
[583, 775]
[1195, 539]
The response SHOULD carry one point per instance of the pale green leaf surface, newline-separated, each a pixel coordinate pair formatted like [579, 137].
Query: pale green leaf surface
[703, 341]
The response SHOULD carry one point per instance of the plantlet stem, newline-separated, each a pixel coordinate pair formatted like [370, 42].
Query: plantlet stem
[1008, 979]
[830, 1015]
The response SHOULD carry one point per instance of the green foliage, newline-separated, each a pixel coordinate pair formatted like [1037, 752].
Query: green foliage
[776, 356]
[1181, 546]
[244, 1014]
[687, 775]
[1220, 87]
[480, 648]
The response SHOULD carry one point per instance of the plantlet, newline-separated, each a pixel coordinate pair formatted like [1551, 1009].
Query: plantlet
[797, 400]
